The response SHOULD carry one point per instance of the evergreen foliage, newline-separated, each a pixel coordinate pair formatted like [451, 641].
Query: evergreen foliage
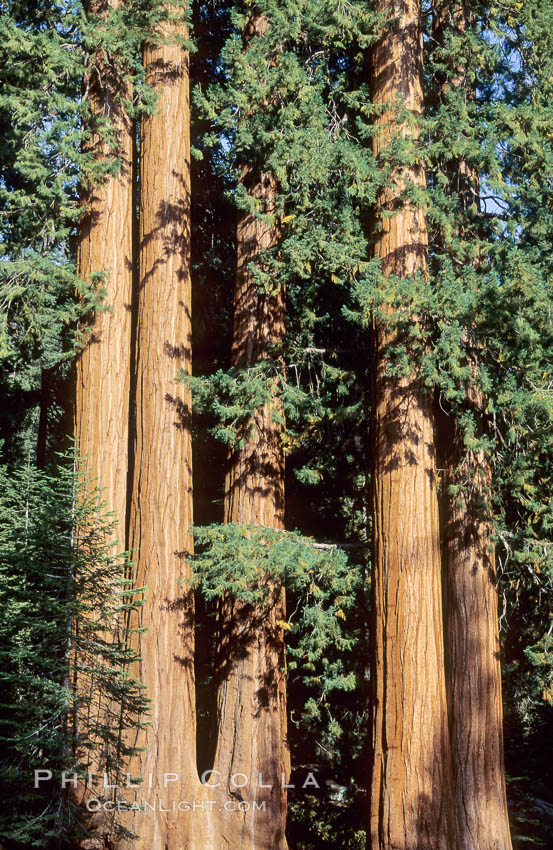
[60, 596]
[492, 274]
[247, 562]
[42, 67]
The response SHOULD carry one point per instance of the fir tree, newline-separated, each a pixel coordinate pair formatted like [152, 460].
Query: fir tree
[42, 66]
[52, 670]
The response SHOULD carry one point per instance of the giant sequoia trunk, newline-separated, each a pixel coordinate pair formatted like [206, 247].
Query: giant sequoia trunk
[103, 366]
[473, 673]
[161, 508]
[105, 246]
[472, 644]
[252, 696]
[412, 804]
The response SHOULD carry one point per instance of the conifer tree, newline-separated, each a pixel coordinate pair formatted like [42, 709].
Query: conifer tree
[473, 672]
[103, 366]
[411, 796]
[42, 66]
[289, 151]
[161, 508]
[464, 322]
[49, 579]
[105, 260]
[251, 643]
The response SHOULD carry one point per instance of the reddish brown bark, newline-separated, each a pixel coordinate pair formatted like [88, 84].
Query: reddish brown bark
[472, 645]
[103, 372]
[251, 707]
[251, 698]
[412, 804]
[473, 672]
[161, 508]
[105, 246]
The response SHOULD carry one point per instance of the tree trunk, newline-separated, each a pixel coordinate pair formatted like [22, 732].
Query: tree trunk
[412, 804]
[103, 365]
[161, 506]
[105, 245]
[252, 737]
[473, 672]
[472, 645]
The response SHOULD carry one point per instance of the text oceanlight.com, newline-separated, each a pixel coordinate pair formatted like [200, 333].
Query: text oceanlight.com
[144, 806]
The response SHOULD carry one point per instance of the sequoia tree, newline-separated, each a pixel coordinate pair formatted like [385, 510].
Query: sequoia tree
[103, 364]
[472, 641]
[161, 508]
[473, 673]
[251, 706]
[105, 260]
[412, 803]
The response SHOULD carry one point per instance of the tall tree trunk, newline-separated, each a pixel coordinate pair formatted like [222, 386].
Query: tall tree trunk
[103, 365]
[473, 672]
[105, 246]
[412, 804]
[161, 506]
[472, 643]
[252, 737]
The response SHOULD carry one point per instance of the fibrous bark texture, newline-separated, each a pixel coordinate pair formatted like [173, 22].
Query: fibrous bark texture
[252, 736]
[412, 804]
[105, 247]
[161, 507]
[472, 646]
[103, 370]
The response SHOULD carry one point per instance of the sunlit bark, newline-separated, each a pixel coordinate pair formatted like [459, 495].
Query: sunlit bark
[411, 798]
[161, 508]
[103, 374]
